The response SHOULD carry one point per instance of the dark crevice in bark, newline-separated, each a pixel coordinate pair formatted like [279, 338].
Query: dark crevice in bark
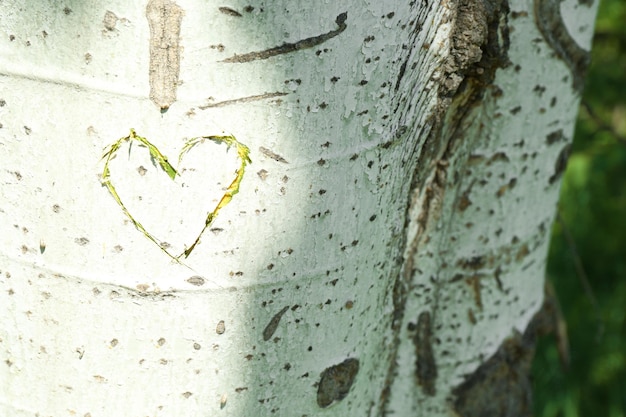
[554, 31]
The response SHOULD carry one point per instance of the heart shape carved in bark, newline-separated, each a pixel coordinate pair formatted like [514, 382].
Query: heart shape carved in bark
[161, 164]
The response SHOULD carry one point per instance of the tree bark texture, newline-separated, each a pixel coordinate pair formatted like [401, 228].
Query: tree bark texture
[383, 253]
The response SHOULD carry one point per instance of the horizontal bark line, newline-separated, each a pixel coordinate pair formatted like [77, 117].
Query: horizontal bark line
[243, 100]
[286, 48]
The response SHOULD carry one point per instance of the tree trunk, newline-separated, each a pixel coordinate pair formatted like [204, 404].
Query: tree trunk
[382, 253]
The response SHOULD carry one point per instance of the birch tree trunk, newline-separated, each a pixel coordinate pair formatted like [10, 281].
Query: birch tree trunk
[385, 251]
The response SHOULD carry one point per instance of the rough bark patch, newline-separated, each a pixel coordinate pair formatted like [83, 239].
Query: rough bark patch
[336, 381]
[480, 42]
[164, 18]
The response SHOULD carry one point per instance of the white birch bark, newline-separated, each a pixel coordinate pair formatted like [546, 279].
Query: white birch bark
[382, 187]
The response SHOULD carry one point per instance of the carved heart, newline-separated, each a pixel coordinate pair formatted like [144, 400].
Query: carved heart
[161, 164]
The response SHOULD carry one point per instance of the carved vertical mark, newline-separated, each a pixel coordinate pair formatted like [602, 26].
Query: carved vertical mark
[550, 23]
[269, 330]
[426, 368]
[164, 18]
[335, 382]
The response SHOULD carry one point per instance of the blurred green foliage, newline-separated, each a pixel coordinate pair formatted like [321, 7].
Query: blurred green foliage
[593, 212]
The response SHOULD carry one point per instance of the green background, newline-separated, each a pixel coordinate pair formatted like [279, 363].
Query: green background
[593, 212]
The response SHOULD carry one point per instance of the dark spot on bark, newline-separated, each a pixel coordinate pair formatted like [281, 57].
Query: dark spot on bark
[498, 157]
[220, 328]
[262, 174]
[81, 241]
[269, 330]
[464, 202]
[522, 253]
[109, 20]
[556, 136]
[539, 89]
[426, 368]
[196, 280]
[470, 316]
[229, 11]
[475, 262]
[335, 382]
